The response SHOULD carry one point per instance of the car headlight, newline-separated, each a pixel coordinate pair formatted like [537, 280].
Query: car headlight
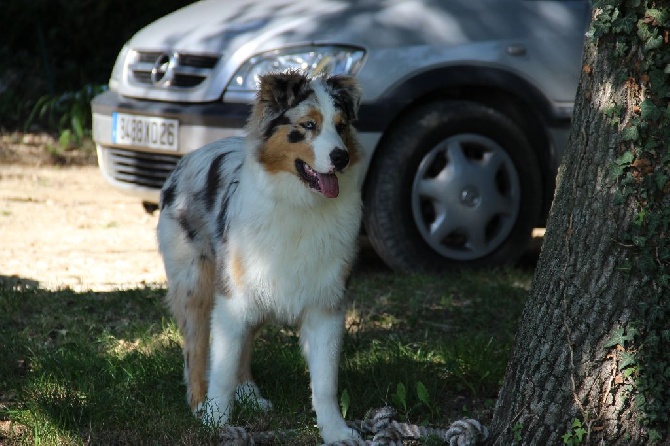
[313, 60]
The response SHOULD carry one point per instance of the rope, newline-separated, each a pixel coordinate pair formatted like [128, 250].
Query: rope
[379, 424]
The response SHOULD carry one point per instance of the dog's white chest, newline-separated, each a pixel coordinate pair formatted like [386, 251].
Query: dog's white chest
[286, 260]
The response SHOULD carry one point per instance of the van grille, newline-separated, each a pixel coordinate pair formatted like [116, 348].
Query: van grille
[189, 70]
[146, 169]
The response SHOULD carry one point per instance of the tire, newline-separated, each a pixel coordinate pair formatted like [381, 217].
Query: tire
[454, 184]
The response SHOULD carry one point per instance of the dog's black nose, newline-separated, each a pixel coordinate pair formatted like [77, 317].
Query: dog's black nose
[339, 158]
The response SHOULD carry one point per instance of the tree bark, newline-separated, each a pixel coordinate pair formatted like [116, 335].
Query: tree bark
[574, 356]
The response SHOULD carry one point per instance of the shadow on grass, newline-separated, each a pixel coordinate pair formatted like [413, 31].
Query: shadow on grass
[81, 366]
[95, 367]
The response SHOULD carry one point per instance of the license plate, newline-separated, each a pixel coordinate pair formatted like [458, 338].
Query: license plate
[145, 131]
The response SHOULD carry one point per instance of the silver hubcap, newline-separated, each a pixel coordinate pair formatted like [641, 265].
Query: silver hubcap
[466, 197]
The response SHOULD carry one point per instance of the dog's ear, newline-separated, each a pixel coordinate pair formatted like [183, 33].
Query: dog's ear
[347, 94]
[280, 91]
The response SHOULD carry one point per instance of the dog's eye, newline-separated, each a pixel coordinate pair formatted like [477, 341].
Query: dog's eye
[341, 127]
[308, 125]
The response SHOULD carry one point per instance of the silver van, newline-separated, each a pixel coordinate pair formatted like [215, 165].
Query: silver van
[465, 112]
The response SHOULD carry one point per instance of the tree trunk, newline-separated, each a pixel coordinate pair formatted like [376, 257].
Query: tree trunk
[591, 362]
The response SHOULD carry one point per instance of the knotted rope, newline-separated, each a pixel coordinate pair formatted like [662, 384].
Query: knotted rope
[379, 424]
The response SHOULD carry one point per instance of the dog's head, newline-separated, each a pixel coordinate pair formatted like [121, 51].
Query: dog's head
[303, 126]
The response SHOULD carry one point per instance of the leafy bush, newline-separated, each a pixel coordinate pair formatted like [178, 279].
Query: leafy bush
[69, 113]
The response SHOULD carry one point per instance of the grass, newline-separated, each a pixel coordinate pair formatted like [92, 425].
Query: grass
[106, 368]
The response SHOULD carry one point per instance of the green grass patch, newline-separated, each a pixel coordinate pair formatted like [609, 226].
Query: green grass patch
[103, 368]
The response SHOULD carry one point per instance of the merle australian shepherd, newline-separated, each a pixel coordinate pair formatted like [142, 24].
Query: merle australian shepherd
[261, 229]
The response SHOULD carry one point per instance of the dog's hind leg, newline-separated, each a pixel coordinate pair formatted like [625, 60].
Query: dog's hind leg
[190, 298]
[191, 302]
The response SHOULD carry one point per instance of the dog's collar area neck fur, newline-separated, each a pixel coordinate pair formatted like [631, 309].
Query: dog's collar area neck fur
[324, 183]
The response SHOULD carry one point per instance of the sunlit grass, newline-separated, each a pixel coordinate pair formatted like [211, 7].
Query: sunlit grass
[101, 368]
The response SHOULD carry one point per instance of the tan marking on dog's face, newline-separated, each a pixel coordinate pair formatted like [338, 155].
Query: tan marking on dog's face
[312, 115]
[290, 142]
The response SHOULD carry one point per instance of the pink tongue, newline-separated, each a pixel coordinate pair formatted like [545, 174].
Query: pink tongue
[329, 186]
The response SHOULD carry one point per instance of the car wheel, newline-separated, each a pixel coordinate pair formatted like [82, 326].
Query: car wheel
[453, 184]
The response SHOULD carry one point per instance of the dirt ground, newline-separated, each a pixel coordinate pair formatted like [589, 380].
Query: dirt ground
[61, 225]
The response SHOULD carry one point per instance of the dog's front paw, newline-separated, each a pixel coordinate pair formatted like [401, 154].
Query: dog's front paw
[212, 414]
[339, 432]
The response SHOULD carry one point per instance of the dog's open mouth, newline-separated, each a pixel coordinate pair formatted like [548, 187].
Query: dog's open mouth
[325, 183]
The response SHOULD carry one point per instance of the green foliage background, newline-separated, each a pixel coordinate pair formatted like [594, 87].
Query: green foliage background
[54, 47]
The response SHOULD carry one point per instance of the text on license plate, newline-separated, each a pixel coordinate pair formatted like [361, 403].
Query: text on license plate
[145, 131]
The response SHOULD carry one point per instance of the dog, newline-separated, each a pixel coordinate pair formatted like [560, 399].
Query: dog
[264, 228]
